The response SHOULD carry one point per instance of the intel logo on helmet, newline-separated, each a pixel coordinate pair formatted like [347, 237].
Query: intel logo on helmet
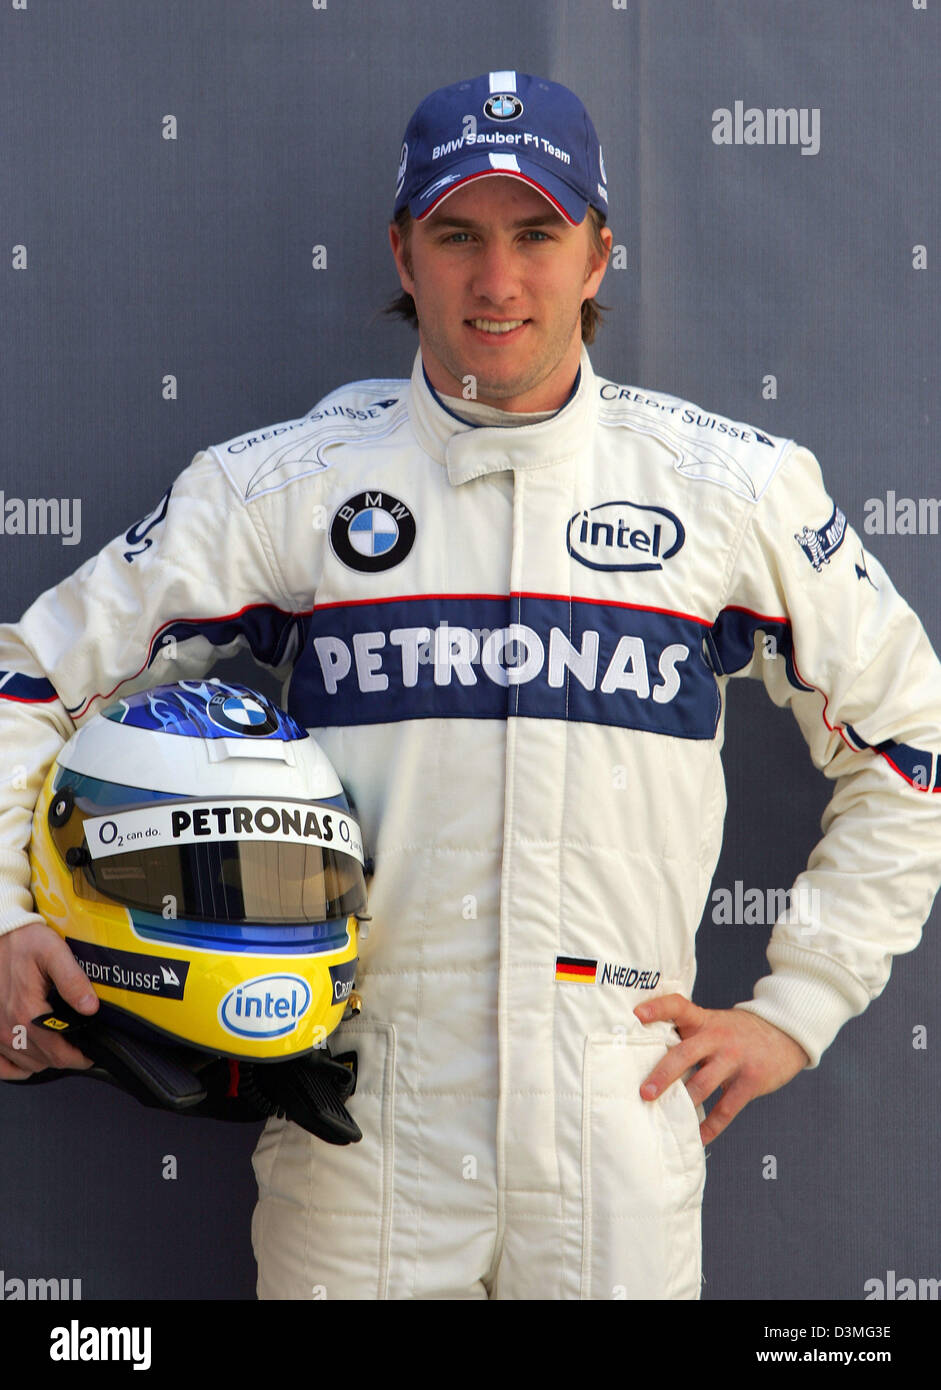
[624, 536]
[269, 1007]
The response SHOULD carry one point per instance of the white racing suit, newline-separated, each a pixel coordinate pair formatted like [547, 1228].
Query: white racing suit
[514, 647]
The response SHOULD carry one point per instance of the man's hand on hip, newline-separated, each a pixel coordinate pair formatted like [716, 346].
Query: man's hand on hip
[732, 1048]
[32, 958]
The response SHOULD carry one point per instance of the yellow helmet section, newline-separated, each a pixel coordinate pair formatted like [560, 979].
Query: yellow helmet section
[246, 1004]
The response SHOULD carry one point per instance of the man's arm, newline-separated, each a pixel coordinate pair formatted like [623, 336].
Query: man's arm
[816, 617]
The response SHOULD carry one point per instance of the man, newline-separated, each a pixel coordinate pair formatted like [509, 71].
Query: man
[509, 596]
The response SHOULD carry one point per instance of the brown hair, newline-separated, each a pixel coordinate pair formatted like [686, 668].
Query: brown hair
[403, 305]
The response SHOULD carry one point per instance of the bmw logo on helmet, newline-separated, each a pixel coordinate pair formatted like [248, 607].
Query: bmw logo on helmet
[503, 106]
[241, 714]
[372, 532]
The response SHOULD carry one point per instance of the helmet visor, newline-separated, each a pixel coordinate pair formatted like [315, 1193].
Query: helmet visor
[255, 861]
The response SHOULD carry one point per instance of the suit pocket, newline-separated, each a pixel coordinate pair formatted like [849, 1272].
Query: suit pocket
[643, 1170]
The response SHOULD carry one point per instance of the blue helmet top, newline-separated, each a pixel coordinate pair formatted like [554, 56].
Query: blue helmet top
[205, 709]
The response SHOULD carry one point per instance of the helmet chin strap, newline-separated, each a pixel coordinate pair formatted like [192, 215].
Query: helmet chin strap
[309, 1090]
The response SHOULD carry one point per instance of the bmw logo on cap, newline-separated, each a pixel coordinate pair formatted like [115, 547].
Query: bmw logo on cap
[242, 714]
[503, 106]
[403, 162]
[372, 531]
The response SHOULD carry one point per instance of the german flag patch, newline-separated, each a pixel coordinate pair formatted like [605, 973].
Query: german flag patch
[576, 969]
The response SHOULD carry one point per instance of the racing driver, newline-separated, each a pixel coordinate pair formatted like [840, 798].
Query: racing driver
[512, 637]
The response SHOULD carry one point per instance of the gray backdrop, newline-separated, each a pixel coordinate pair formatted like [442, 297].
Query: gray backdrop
[192, 257]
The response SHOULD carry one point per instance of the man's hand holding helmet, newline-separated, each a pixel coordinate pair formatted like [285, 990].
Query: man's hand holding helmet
[33, 958]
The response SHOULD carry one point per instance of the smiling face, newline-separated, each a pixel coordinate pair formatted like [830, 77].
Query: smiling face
[498, 278]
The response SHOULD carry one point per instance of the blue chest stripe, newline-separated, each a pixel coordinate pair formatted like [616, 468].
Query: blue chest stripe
[491, 657]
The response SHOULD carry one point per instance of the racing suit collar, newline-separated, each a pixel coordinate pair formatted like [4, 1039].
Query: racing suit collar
[470, 451]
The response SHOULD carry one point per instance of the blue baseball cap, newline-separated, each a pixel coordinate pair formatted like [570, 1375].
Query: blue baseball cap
[502, 123]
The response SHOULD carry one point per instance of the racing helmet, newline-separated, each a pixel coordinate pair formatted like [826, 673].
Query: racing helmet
[196, 850]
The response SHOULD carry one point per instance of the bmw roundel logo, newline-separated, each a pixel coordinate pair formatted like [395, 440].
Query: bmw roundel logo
[241, 714]
[372, 531]
[503, 106]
